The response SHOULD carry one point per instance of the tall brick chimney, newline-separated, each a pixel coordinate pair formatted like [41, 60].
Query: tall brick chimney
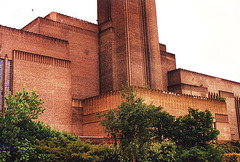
[128, 44]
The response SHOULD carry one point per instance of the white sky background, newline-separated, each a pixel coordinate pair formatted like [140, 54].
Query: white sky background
[203, 34]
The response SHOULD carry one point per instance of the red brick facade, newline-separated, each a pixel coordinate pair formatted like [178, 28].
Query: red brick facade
[78, 68]
[52, 80]
[171, 102]
[192, 83]
[129, 48]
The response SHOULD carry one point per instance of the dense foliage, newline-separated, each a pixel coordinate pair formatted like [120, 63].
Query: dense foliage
[23, 139]
[131, 125]
[138, 127]
[16, 140]
[64, 149]
[207, 153]
[141, 133]
[195, 128]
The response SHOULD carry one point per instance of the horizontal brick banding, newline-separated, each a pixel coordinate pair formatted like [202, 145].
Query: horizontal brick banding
[41, 59]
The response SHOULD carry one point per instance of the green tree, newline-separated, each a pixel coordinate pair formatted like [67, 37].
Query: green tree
[207, 153]
[163, 151]
[131, 125]
[195, 128]
[136, 126]
[164, 125]
[23, 106]
[19, 111]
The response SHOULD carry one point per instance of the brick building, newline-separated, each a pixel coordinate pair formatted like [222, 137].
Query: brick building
[78, 69]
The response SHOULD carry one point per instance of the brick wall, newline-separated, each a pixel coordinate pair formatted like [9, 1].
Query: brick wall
[33, 26]
[51, 78]
[230, 100]
[83, 50]
[107, 58]
[168, 62]
[128, 44]
[175, 104]
[71, 21]
[162, 47]
[214, 84]
[77, 117]
[154, 50]
[13, 39]
[188, 82]
[113, 47]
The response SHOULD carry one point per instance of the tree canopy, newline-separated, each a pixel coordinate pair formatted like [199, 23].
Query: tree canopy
[131, 124]
[136, 126]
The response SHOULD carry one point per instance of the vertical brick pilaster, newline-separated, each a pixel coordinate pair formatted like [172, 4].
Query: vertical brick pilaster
[5, 74]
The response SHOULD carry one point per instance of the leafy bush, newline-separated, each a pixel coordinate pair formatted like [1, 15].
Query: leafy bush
[164, 151]
[165, 126]
[135, 125]
[230, 146]
[19, 133]
[231, 150]
[232, 157]
[64, 149]
[194, 129]
[199, 153]
[22, 139]
[131, 124]
[16, 118]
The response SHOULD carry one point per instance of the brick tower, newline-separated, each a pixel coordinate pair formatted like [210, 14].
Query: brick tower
[128, 44]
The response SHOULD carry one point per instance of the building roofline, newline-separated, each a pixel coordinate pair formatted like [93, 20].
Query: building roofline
[70, 17]
[30, 24]
[136, 88]
[63, 25]
[59, 24]
[35, 34]
[180, 69]
[167, 54]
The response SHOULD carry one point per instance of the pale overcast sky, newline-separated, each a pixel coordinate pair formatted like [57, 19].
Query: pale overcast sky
[203, 34]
